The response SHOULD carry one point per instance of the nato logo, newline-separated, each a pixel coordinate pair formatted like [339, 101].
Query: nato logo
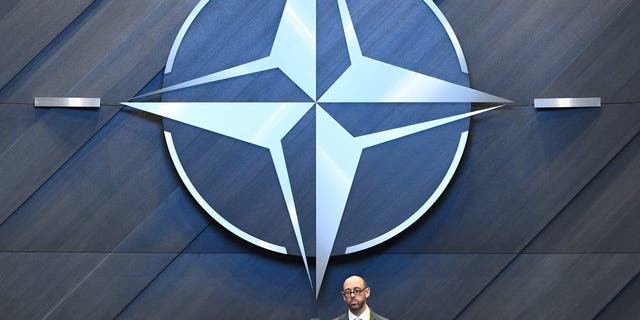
[316, 129]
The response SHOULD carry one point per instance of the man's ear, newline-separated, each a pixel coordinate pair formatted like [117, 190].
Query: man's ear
[367, 292]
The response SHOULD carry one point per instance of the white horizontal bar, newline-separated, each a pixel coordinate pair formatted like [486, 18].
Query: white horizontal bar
[51, 102]
[568, 103]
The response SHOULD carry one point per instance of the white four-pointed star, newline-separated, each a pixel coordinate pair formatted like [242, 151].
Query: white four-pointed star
[337, 151]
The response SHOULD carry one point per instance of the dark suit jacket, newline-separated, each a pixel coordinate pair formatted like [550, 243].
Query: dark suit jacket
[374, 316]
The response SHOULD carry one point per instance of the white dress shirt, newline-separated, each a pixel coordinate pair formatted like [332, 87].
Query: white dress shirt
[366, 315]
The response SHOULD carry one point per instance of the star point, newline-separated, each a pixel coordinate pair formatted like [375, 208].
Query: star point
[338, 153]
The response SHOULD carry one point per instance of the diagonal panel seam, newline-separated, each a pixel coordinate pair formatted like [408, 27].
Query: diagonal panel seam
[633, 279]
[520, 252]
[68, 294]
[108, 254]
[157, 276]
[52, 42]
[595, 37]
[17, 140]
[120, 45]
[635, 136]
[64, 163]
[78, 149]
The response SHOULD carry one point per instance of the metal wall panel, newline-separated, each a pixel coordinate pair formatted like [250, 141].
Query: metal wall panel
[523, 166]
[42, 149]
[625, 304]
[609, 66]
[28, 26]
[102, 193]
[109, 52]
[193, 287]
[517, 49]
[115, 281]
[540, 221]
[604, 217]
[555, 286]
[34, 282]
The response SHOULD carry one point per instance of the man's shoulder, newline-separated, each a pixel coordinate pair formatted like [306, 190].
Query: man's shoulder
[375, 316]
[342, 317]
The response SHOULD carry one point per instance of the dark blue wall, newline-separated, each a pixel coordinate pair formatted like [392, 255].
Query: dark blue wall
[542, 219]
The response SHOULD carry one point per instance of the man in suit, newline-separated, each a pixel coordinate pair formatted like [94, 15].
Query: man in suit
[355, 293]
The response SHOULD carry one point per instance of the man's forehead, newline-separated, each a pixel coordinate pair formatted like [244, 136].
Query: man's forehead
[353, 282]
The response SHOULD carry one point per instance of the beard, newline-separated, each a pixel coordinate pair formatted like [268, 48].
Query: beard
[356, 305]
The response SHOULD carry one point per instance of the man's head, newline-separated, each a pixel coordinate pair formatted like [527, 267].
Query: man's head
[355, 293]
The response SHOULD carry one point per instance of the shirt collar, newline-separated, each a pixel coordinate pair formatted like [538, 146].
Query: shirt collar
[366, 315]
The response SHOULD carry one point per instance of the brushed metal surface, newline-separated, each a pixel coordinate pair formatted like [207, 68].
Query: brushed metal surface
[587, 49]
[567, 103]
[67, 102]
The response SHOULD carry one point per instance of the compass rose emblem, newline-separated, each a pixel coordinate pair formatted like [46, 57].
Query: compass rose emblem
[338, 152]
